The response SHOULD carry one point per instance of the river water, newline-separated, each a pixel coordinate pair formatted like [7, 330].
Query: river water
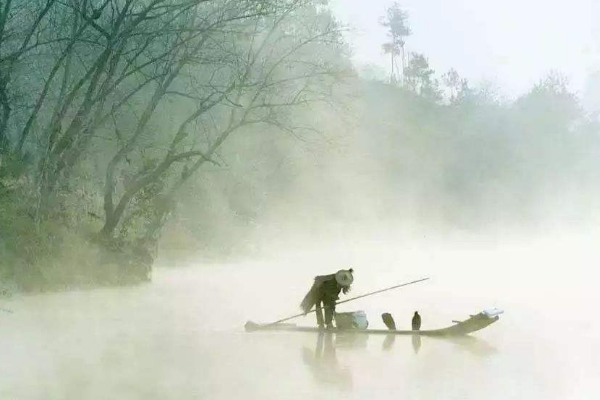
[181, 337]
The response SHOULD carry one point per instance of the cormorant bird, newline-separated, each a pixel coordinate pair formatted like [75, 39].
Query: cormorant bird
[416, 321]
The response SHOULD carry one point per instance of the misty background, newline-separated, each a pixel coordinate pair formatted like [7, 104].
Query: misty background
[224, 152]
[511, 43]
[213, 130]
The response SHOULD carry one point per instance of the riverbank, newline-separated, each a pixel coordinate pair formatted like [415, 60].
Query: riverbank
[67, 260]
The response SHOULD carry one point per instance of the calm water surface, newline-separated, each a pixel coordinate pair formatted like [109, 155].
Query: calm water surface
[182, 336]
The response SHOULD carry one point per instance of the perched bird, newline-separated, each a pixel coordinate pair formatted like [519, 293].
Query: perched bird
[416, 321]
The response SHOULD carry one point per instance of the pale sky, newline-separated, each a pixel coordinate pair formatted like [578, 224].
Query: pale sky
[511, 42]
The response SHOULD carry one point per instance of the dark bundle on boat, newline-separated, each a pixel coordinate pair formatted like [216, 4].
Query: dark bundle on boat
[388, 320]
[312, 296]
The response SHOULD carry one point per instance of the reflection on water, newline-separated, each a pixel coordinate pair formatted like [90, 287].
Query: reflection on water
[476, 346]
[473, 345]
[351, 341]
[182, 338]
[388, 343]
[327, 370]
[324, 365]
[416, 343]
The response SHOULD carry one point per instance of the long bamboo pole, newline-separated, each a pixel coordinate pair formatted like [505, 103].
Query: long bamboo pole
[249, 323]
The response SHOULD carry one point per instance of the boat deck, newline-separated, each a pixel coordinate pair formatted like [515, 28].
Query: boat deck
[473, 324]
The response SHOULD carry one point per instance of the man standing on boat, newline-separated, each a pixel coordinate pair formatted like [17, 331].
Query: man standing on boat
[325, 290]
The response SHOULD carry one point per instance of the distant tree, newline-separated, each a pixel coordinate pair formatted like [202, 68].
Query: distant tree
[456, 85]
[419, 78]
[396, 21]
[549, 106]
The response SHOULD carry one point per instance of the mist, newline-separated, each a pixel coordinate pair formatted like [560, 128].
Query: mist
[170, 170]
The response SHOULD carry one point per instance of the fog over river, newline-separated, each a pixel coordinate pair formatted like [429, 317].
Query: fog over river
[182, 336]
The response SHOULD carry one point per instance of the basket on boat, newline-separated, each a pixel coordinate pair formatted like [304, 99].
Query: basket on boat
[351, 320]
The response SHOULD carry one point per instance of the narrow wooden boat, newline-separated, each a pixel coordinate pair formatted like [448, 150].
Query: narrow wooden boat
[473, 324]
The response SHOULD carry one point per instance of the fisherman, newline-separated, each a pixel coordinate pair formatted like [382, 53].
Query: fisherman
[416, 321]
[325, 291]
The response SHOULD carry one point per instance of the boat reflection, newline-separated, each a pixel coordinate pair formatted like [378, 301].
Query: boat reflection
[475, 346]
[350, 340]
[324, 365]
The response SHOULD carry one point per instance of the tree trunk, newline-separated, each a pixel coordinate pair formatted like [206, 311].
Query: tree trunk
[4, 143]
[403, 64]
[392, 66]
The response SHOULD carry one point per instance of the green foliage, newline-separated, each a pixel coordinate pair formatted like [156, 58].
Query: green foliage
[419, 78]
[548, 106]
[457, 86]
[396, 21]
[57, 253]
[478, 161]
[107, 114]
[214, 119]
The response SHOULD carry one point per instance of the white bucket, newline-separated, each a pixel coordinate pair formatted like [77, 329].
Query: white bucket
[360, 320]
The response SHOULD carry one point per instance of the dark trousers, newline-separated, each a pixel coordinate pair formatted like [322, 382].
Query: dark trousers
[329, 305]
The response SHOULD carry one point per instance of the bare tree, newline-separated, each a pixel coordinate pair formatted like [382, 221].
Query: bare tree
[19, 36]
[136, 96]
[280, 64]
[137, 42]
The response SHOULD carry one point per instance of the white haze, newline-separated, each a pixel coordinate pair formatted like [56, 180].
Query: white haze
[373, 200]
[512, 43]
[182, 336]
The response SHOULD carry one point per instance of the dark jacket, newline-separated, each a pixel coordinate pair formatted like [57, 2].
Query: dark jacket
[324, 289]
